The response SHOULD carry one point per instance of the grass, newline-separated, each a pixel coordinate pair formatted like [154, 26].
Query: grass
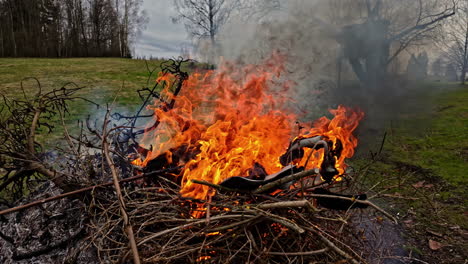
[103, 79]
[442, 146]
[423, 170]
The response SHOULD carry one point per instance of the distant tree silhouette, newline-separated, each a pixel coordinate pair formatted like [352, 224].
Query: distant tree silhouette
[417, 66]
[388, 28]
[69, 28]
[451, 73]
[438, 67]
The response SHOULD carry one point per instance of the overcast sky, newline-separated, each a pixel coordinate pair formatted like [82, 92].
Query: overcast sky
[161, 38]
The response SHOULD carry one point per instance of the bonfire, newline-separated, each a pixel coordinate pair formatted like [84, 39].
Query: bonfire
[222, 171]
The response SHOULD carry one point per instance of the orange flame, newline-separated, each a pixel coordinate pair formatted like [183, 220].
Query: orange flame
[339, 128]
[137, 162]
[235, 117]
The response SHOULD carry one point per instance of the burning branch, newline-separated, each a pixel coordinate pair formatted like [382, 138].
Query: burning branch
[172, 67]
[284, 180]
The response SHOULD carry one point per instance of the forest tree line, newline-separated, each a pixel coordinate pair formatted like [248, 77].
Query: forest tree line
[69, 28]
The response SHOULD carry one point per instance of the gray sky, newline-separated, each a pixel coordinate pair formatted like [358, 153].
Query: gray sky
[161, 38]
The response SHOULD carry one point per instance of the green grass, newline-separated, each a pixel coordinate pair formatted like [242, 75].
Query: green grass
[423, 169]
[429, 145]
[436, 140]
[103, 79]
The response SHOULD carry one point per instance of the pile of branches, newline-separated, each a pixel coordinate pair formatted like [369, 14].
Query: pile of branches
[155, 224]
[234, 227]
[22, 157]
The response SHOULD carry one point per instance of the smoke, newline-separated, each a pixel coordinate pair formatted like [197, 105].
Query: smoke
[298, 32]
[319, 39]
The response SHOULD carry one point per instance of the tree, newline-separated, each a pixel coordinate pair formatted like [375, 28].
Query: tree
[438, 67]
[131, 20]
[204, 18]
[423, 62]
[388, 27]
[451, 73]
[258, 9]
[454, 42]
[66, 28]
[417, 66]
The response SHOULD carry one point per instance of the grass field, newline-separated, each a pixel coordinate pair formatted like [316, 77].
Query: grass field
[102, 79]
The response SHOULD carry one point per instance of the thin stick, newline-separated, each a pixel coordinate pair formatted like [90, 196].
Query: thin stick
[127, 225]
[217, 229]
[333, 246]
[289, 204]
[153, 236]
[306, 253]
[68, 194]
[281, 220]
[382, 144]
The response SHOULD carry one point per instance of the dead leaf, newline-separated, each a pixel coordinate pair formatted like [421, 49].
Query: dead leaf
[428, 186]
[418, 184]
[434, 233]
[408, 223]
[434, 245]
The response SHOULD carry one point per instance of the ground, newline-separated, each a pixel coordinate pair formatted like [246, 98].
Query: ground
[420, 174]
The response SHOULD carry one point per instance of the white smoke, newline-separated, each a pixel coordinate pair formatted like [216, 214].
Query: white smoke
[297, 31]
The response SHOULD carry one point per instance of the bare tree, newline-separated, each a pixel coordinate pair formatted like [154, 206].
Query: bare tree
[204, 18]
[259, 9]
[382, 29]
[454, 40]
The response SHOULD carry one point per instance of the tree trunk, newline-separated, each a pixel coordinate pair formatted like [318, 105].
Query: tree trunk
[465, 59]
[13, 35]
[83, 31]
[212, 31]
[2, 53]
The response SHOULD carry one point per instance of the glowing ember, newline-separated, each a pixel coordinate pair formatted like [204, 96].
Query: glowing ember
[217, 233]
[137, 162]
[235, 117]
[203, 258]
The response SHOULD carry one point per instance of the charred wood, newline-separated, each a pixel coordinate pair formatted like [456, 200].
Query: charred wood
[339, 204]
[248, 184]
